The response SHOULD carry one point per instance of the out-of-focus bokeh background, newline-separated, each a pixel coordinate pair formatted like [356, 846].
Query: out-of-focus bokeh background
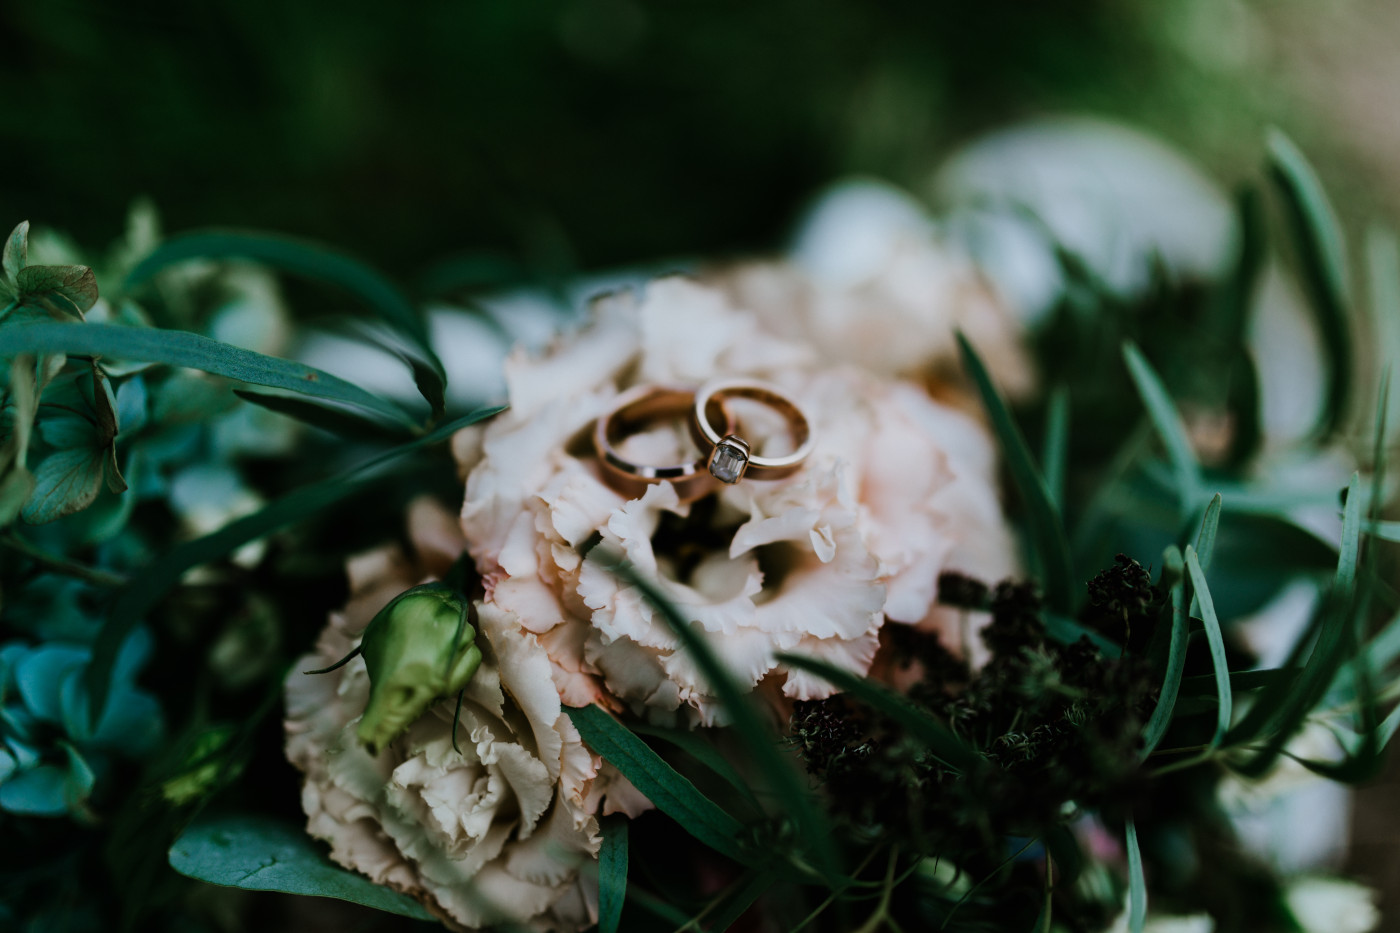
[451, 142]
[585, 133]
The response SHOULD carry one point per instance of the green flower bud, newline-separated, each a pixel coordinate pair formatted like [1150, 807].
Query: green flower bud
[418, 650]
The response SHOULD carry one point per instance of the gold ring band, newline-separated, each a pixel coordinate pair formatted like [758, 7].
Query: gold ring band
[731, 458]
[636, 409]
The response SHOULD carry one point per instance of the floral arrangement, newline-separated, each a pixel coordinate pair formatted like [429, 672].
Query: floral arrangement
[997, 606]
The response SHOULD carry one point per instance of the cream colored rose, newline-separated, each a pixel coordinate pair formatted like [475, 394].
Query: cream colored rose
[897, 488]
[494, 833]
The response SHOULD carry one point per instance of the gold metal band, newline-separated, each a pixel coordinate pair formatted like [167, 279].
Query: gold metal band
[635, 410]
[730, 458]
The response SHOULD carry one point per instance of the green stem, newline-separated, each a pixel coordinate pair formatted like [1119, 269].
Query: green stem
[8, 308]
[63, 565]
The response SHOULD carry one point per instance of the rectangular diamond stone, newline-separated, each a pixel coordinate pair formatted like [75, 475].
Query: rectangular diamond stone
[727, 463]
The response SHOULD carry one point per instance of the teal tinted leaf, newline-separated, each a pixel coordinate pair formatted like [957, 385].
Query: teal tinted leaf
[65, 482]
[179, 348]
[64, 430]
[1386, 531]
[150, 585]
[1137, 882]
[1210, 525]
[104, 402]
[260, 854]
[345, 422]
[20, 409]
[81, 778]
[941, 741]
[788, 785]
[16, 255]
[8, 765]
[1055, 454]
[69, 291]
[132, 404]
[1217, 646]
[41, 791]
[1168, 425]
[612, 873]
[1046, 529]
[1067, 631]
[39, 678]
[1176, 658]
[672, 793]
[1383, 266]
[1322, 255]
[316, 262]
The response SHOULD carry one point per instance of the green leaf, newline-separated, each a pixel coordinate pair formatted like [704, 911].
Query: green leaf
[748, 723]
[672, 793]
[1322, 254]
[1383, 266]
[1277, 714]
[612, 873]
[1067, 631]
[66, 481]
[150, 585]
[1168, 425]
[739, 898]
[16, 255]
[69, 291]
[1217, 647]
[1055, 454]
[1046, 529]
[941, 742]
[1210, 525]
[316, 262]
[1176, 657]
[15, 489]
[180, 348]
[345, 422]
[1137, 882]
[694, 744]
[256, 853]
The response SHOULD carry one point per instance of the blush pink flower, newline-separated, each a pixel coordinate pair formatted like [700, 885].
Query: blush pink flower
[494, 833]
[898, 488]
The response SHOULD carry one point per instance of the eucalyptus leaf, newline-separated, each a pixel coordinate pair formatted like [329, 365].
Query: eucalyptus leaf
[256, 853]
[67, 291]
[180, 348]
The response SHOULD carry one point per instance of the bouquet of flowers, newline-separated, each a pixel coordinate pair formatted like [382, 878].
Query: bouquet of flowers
[886, 585]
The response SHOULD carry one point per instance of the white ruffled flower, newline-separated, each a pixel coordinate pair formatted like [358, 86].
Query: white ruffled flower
[492, 834]
[1332, 905]
[898, 488]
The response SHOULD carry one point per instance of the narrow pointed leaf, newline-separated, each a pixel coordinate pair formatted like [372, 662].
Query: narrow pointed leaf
[612, 874]
[1176, 659]
[1137, 882]
[1056, 451]
[180, 348]
[671, 792]
[16, 255]
[1322, 255]
[1216, 640]
[315, 262]
[1168, 425]
[1046, 528]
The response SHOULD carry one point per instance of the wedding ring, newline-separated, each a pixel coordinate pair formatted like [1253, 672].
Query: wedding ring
[731, 456]
[642, 407]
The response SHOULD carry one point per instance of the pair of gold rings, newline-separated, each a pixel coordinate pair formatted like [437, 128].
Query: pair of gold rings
[728, 456]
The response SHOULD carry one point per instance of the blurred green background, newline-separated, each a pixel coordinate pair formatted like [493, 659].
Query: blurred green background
[585, 133]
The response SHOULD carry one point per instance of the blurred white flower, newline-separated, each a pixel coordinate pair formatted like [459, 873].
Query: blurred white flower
[869, 281]
[494, 834]
[897, 488]
[1332, 905]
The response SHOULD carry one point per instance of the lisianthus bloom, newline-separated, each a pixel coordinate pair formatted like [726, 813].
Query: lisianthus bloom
[488, 832]
[898, 488]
